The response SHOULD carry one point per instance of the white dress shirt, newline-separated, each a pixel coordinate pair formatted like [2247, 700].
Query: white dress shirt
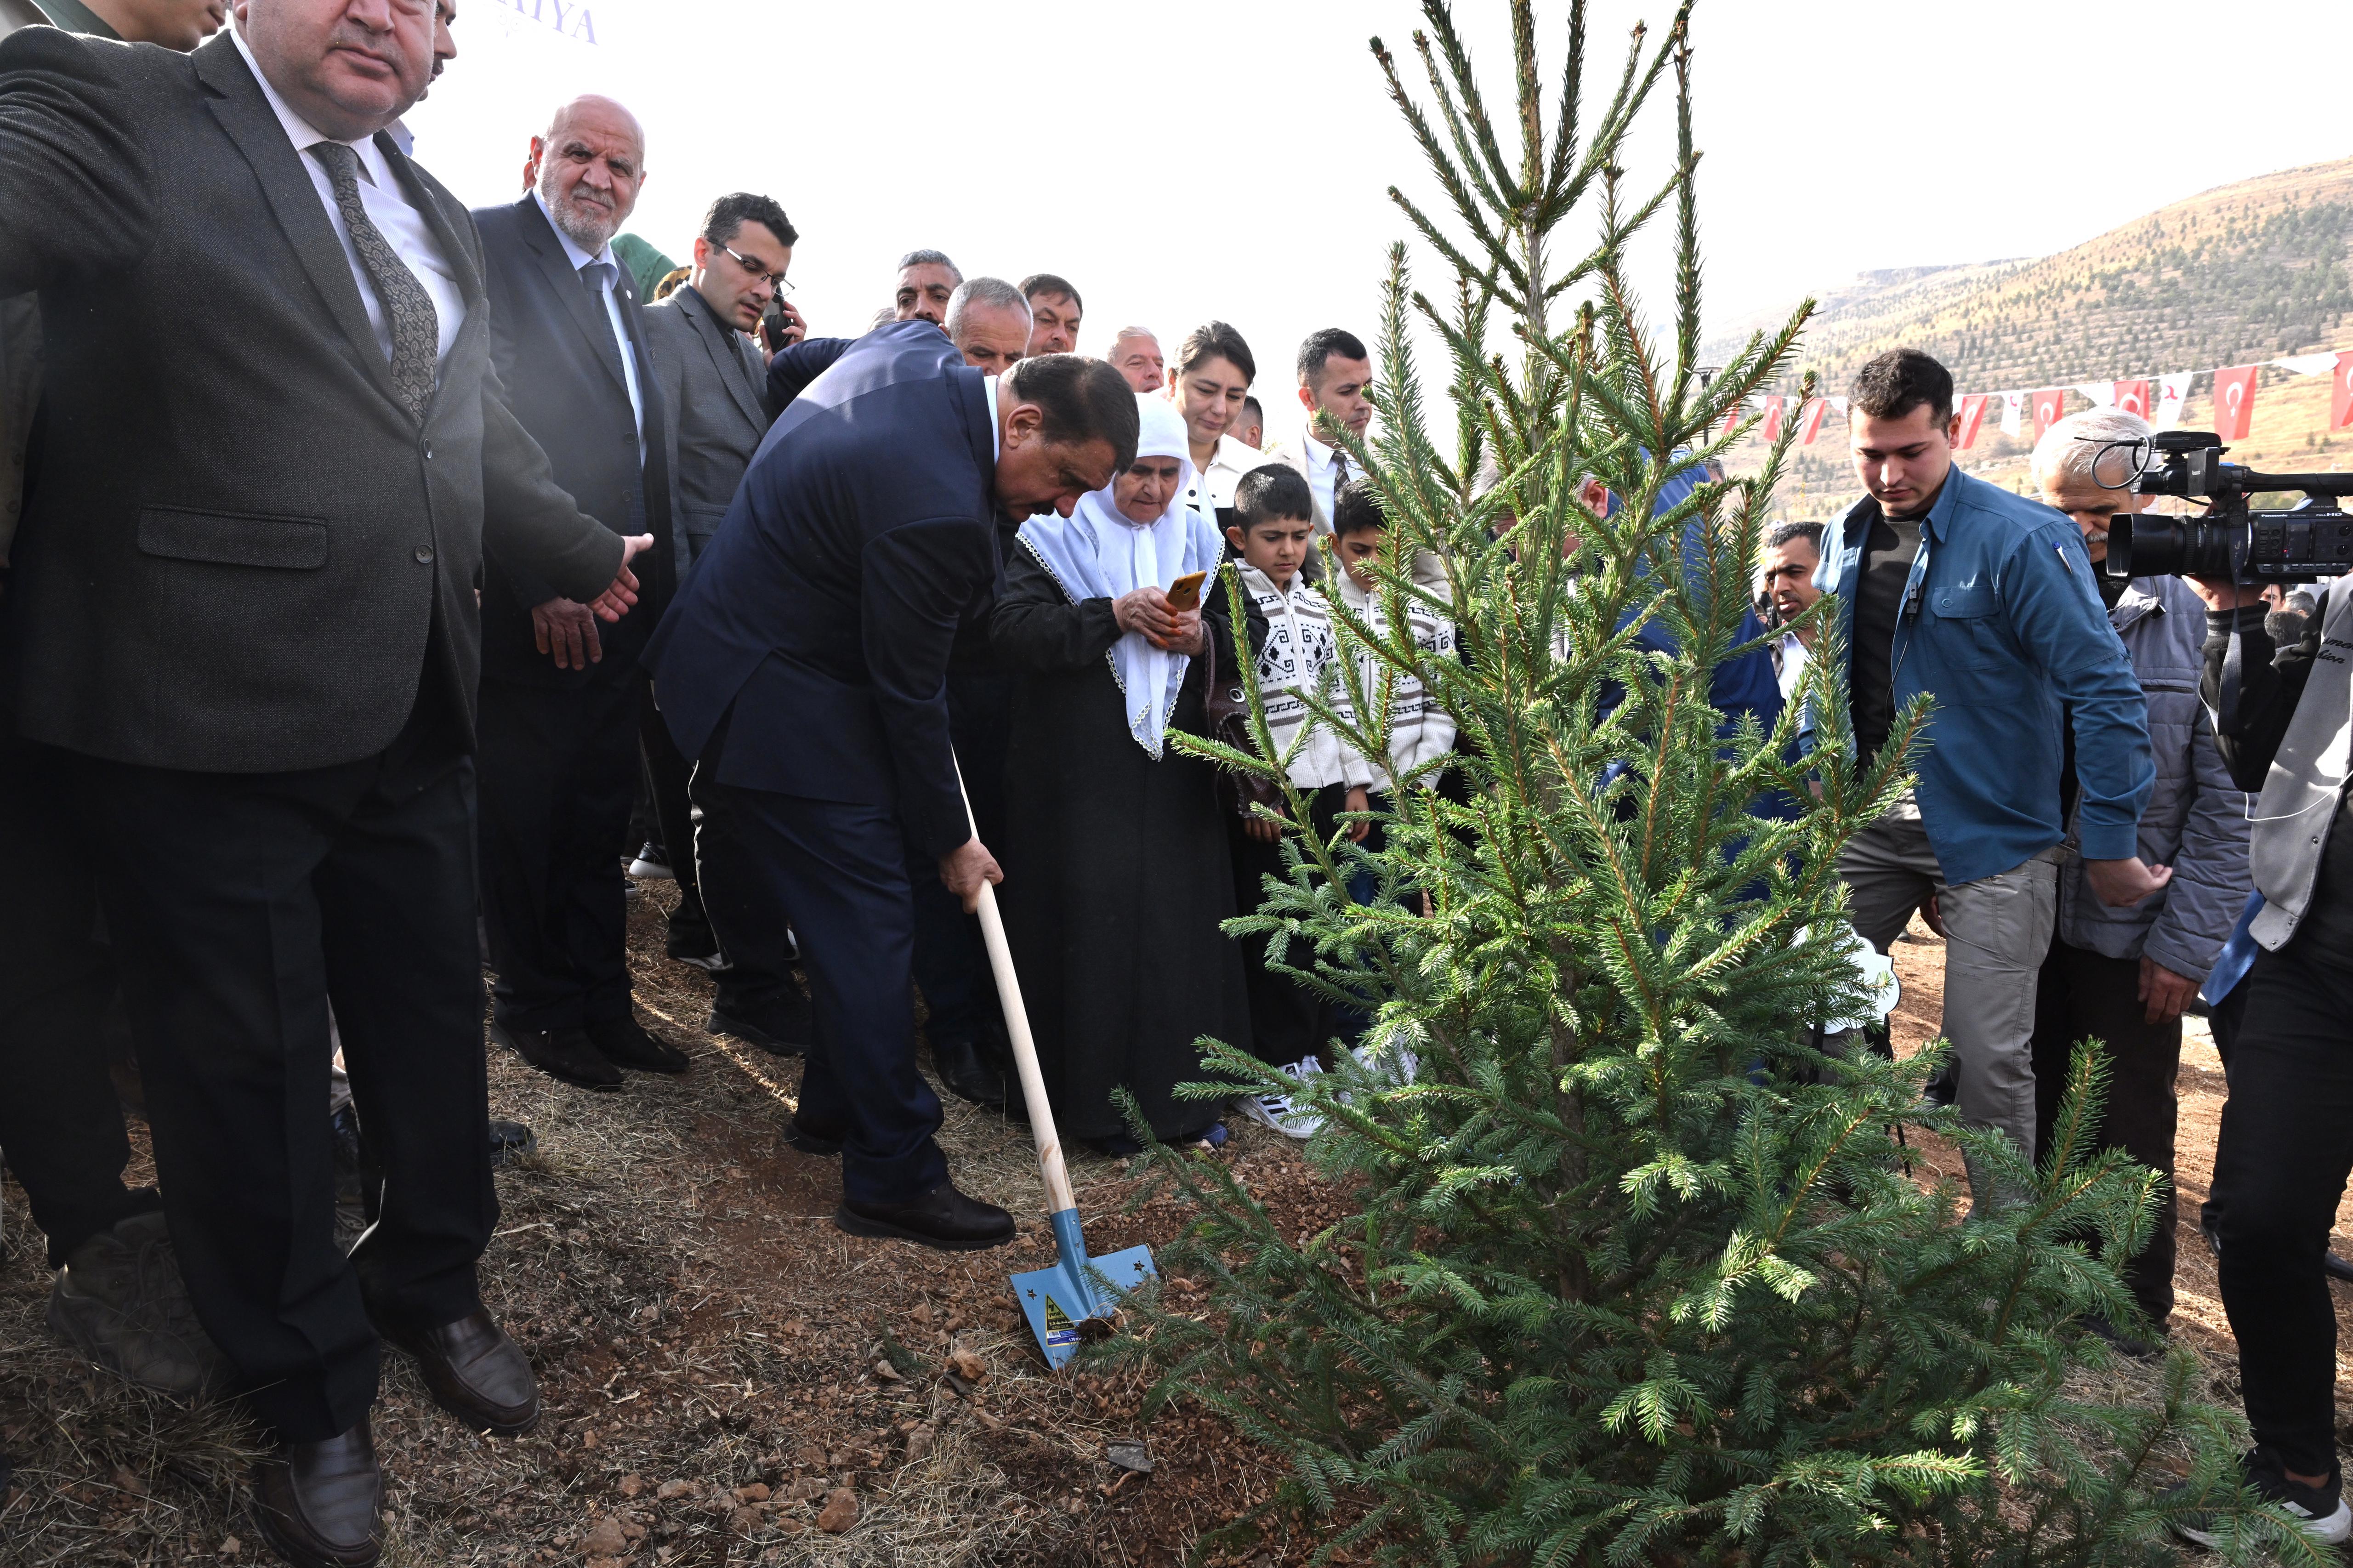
[580, 258]
[996, 433]
[1229, 459]
[1323, 479]
[404, 227]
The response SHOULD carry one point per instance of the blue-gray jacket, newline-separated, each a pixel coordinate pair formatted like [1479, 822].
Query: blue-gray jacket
[2196, 821]
[2002, 627]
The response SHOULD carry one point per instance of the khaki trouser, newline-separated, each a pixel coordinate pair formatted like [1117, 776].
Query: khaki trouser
[1997, 932]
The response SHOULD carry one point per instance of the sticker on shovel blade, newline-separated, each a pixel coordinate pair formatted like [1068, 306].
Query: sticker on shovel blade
[1060, 1330]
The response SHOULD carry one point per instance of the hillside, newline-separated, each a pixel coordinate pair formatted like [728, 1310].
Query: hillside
[2254, 270]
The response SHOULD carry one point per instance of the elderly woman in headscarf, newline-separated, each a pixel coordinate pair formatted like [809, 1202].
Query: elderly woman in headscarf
[1116, 871]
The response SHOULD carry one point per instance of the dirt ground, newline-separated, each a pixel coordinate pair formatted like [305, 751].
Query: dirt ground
[728, 1378]
[719, 1363]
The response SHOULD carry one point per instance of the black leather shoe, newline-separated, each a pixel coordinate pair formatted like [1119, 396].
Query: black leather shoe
[781, 1031]
[694, 942]
[810, 1140]
[967, 1074]
[565, 1053]
[474, 1372]
[943, 1217]
[511, 1143]
[320, 1504]
[626, 1042]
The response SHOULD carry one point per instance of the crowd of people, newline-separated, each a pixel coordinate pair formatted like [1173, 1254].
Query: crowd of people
[387, 622]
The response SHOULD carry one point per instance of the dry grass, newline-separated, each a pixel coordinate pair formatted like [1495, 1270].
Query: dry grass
[694, 1317]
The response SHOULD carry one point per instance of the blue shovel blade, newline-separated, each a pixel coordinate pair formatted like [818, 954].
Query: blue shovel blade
[1059, 1299]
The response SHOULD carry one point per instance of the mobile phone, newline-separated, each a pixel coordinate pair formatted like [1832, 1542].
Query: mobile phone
[1184, 593]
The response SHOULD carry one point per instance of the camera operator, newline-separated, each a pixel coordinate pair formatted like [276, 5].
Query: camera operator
[2122, 976]
[2287, 1141]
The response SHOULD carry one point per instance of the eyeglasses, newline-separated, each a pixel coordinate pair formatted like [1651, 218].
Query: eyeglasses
[776, 280]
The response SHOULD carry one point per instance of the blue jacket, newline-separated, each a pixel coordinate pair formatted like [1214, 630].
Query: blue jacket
[2003, 626]
[822, 612]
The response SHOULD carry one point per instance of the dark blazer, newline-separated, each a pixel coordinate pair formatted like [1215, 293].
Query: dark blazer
[714, 386]
[237, 540]
[824, 610]
[567, 391]
[792, 368]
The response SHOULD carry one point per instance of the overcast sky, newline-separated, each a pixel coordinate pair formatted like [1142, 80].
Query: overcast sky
[1184, 161]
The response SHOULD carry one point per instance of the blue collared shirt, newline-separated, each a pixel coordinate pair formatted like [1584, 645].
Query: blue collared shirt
[2002, 627]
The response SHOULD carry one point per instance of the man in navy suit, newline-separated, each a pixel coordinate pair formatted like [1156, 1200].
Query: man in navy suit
[561, 696]
[805, 666]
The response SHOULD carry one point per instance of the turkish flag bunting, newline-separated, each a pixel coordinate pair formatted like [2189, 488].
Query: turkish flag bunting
[2235, 401]
[2341, 394]
[1809, 422]
[2132, 398]
[1732, 418]
[1973, 407]
[2050, 408]
[1773, 418]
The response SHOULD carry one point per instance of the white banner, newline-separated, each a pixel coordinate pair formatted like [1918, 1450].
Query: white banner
[2310, 365]
[2172, 391]
[2103, 393]
[2012, 405]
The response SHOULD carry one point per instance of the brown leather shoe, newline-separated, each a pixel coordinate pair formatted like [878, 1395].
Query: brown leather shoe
[320, 1504]
[475, 1372]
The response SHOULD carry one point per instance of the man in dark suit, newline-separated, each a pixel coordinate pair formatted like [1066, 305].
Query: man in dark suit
[250, 639]
[805, 666]
[712, 384]
[117, 1298]
[559, 754]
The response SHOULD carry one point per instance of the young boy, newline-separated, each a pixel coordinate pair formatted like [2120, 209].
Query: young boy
[1420, 731]
[1273, 536]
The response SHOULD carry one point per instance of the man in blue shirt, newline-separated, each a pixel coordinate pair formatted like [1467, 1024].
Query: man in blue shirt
[1984, 602]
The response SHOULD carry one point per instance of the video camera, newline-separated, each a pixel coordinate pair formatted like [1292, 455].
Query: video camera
[2230, 540]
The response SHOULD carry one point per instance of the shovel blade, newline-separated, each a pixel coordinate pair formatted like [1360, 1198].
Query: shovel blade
[1062, 1303]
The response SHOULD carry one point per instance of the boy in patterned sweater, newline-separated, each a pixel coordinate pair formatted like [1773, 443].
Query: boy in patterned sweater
[1274, 533]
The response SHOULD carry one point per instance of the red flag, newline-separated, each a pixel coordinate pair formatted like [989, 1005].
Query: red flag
[1773, 418]
[1809, 422]
[2132, 398]
[2235, 401]
[2050, 408]
[1973, 407]
[2340, 398]
[1732, 418]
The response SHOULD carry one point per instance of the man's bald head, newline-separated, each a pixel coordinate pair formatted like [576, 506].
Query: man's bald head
[588, 167]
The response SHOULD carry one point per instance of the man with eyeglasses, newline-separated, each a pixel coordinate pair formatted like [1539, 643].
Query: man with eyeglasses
[711, 380]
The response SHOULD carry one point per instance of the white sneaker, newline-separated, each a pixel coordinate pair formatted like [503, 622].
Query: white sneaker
[1279, 1111]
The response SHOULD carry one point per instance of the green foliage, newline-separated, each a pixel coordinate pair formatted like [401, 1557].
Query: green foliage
[1634, 1272]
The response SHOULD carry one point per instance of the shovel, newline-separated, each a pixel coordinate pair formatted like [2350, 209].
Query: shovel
[1078, 1296]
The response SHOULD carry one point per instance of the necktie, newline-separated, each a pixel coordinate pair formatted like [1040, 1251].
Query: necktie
[416, 328]
[1339, 475]
[597, 277]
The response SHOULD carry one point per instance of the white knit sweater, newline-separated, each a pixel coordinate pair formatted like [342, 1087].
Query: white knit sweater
[1419, 730]
[1301, 654]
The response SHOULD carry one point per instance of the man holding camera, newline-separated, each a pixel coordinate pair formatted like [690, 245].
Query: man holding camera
[2286, 1143]
[2122, 976]
[1958, 591]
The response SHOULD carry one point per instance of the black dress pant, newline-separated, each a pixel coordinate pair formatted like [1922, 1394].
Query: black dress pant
[2279, 1166]
[60, 1125]
[2081, 996]
[241, 905]
[1287, 1021]
[837, 872]
[672, 809]
[559, 764]
[951, 960]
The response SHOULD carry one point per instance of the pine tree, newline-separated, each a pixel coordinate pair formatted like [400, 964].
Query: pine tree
[1635, 1272]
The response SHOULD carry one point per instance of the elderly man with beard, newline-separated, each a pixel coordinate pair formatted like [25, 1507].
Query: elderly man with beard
[560, 698]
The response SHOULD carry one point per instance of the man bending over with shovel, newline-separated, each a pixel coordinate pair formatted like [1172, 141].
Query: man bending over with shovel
[805, 666]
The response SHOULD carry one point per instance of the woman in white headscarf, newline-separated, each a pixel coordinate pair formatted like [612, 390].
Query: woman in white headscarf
[1116, 869]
